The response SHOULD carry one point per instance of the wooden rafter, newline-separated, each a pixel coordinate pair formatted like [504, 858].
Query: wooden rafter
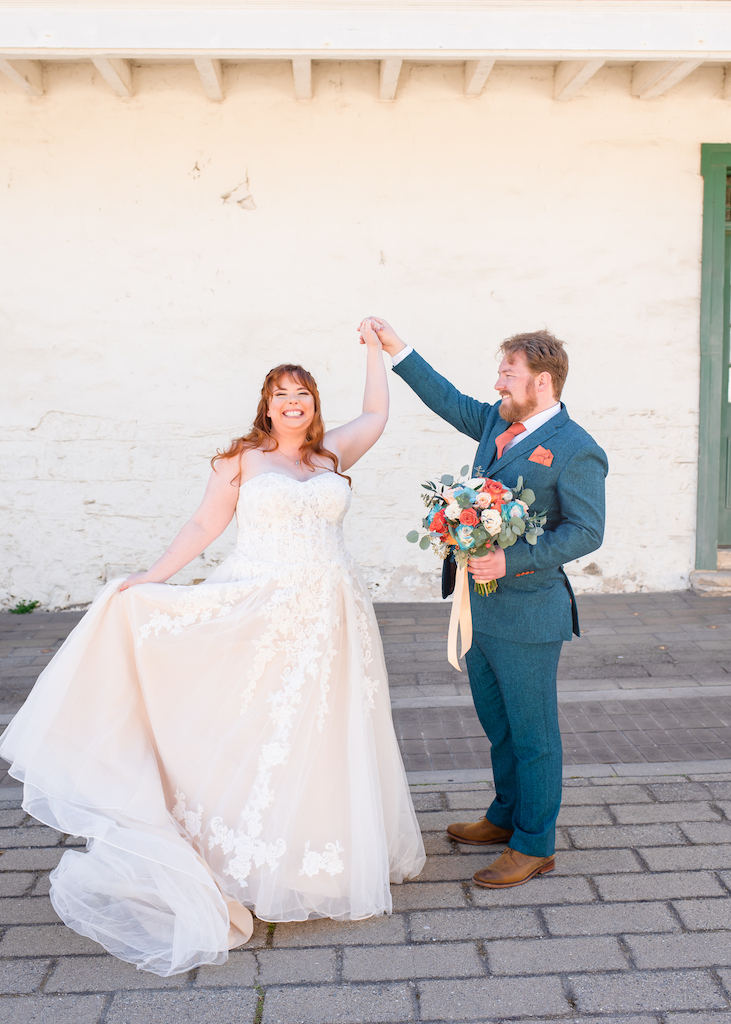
[476, 73]
[571, 76]
[302, 71]
[389, 76]
[26, 74]
[651, 79]
[210, 74]
[117, 73]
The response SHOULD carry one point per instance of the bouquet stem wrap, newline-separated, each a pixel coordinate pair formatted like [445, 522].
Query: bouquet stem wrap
[460, 619]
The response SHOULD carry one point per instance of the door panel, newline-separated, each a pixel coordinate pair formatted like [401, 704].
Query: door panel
[724, 511]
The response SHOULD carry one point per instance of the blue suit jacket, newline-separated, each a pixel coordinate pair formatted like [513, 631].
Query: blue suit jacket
[534, 602]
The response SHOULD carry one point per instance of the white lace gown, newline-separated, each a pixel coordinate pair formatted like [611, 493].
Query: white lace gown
[230, 741]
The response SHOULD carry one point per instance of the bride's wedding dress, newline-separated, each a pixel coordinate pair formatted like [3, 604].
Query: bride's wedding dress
[224, 744]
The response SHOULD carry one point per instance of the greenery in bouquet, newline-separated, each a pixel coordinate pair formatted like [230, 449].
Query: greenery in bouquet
[470, 515]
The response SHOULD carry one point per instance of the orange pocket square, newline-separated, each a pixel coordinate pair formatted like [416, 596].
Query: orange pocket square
[542, 455]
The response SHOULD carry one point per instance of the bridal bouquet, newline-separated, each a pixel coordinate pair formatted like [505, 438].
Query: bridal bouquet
[473, 514]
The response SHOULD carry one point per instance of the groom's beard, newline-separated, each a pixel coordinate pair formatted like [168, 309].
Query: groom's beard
[517, 412]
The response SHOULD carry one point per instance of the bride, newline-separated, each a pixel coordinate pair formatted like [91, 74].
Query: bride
[229, 745]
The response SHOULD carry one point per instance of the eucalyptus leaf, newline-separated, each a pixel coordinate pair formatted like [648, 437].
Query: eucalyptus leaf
[519, 485]
[527, 496]
[531, 537]
[463, 500]
[447, 480]
[517, 525]
[424, 543]
[412, 537]
[464, 470]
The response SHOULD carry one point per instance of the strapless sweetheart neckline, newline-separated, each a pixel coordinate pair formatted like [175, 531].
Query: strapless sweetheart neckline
[285, 476]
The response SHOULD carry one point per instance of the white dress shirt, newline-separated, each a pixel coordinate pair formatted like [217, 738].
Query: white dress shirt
[531, 423]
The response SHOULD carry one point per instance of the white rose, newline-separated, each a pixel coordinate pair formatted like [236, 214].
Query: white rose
[507, 496]
[492, 521]
[452, 510]
[476, 482]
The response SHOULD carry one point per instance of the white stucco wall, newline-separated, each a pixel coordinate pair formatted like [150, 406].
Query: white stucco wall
[140, 311]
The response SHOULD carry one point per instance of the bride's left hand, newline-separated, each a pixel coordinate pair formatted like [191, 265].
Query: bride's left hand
[368, 334]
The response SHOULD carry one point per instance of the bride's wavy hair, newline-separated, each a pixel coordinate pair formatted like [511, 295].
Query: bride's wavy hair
[260, 435]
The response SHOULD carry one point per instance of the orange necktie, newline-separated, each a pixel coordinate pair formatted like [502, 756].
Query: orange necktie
[502, 439]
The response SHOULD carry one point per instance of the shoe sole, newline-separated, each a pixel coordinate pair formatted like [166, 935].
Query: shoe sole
[511, 885]
[479, 842]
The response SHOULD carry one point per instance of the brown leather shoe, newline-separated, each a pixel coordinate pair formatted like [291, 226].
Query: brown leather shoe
[512, 868]
[478, 833]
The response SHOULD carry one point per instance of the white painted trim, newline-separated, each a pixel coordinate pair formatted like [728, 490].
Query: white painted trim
[116, 73]
[389, 76]
[474, 30]
[209, 72]
[571, 76]
[652, 79]
[302, 72]
[26, 74]
[476, 73]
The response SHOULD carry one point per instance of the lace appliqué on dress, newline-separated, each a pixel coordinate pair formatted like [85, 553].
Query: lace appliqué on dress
[313, 862]
[370, 685]
[200, 605]
[190, 820]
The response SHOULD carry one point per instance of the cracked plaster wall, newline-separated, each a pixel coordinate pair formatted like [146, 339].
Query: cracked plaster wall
[161, 253]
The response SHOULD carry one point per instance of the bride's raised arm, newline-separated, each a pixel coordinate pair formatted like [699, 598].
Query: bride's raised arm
[208, 522]
[352, 440]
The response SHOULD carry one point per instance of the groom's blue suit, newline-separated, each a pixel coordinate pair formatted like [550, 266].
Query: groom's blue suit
[519, 630]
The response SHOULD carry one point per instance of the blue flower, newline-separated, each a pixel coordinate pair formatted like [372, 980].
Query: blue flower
[517, 509]
[464, 537]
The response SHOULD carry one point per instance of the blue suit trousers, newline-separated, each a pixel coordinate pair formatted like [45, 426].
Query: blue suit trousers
[514, 690]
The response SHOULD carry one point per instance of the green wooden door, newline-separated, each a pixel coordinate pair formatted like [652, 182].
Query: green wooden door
[724, 491]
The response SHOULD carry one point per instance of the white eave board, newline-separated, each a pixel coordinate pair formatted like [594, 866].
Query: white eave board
[645, 29]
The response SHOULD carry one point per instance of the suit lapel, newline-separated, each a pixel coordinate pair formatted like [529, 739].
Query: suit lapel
[530, 443]
[490, 451]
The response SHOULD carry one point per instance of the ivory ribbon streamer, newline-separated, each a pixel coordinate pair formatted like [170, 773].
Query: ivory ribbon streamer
[461, 619]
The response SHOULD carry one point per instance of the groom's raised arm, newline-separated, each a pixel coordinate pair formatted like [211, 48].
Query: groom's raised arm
[466, 414]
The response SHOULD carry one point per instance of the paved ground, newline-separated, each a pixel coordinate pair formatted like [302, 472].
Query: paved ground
[634, 927]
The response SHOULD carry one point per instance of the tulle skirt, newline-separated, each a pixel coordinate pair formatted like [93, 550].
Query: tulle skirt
[222, 746]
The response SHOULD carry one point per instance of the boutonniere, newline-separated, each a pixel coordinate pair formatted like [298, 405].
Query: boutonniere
[542, 456]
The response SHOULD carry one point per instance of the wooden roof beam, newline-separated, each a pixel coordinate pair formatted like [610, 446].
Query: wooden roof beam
[388, 78]
[653, 78]
[476, 73]
[211, 76]
[117, 73]
[302, 71]
[26, 74]
[571, 76]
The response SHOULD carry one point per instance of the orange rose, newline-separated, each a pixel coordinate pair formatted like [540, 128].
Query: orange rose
[468, 517]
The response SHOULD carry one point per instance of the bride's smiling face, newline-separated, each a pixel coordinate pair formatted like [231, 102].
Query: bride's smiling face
[291, 407]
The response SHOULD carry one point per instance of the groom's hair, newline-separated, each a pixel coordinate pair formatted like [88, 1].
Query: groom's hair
[543, 353]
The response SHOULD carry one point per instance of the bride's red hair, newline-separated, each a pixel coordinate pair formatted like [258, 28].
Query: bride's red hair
[260, 435]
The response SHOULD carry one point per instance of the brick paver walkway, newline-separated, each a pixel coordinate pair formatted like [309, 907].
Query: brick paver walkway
[634, 926]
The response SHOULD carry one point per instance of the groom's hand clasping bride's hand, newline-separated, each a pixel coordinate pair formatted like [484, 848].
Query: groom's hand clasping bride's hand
[367, 331]
[489, 567]
[387, 336]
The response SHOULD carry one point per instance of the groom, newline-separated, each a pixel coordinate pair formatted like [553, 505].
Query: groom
[519, 630]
